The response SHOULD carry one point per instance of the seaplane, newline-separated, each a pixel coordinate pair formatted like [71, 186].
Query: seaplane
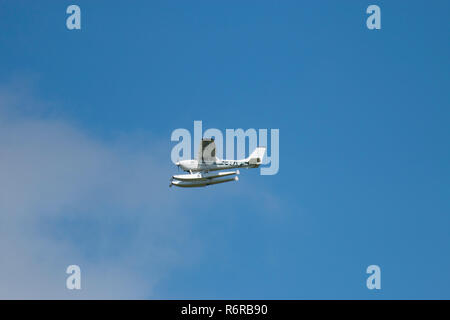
[205, 170]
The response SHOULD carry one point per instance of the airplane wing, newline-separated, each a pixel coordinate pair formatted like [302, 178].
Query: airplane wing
[207, 151]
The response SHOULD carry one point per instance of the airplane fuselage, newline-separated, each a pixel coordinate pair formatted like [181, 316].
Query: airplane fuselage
[195, 166]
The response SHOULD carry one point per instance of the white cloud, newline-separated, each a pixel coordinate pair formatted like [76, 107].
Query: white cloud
[68, 198]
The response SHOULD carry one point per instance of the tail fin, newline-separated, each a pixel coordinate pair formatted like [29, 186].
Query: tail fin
[257, 156]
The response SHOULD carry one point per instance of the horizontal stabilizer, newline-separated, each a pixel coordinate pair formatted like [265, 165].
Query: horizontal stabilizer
[257, 156]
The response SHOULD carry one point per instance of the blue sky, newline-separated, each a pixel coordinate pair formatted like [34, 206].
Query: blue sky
[364, 158]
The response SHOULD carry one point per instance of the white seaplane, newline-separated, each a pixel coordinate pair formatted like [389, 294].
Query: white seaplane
[203, 171]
